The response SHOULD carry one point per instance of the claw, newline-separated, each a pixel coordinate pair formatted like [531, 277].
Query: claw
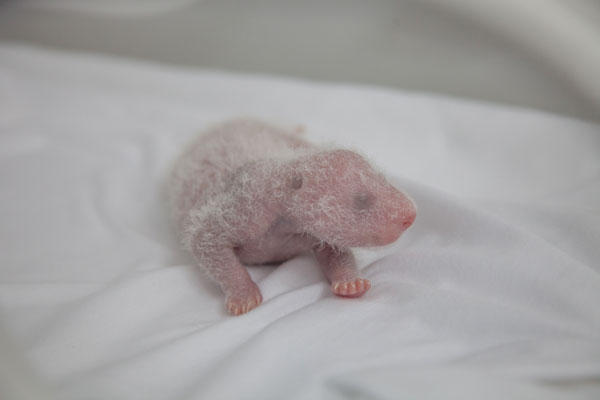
[244, 302]
[354, 288]
[360, 286]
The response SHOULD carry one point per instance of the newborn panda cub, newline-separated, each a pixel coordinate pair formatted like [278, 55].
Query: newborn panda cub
[247, 193]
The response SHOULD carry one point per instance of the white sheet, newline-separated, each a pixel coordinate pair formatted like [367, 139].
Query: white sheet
[493, 293]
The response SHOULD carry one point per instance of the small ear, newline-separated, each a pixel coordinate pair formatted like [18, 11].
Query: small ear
[297, 181]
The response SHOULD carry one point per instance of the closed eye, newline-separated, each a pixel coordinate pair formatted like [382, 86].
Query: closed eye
[363, 200]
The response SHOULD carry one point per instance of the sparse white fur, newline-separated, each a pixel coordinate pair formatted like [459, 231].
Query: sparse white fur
[196, 187]
[246, 192]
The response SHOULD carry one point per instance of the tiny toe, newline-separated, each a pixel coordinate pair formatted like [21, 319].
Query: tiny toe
[351, 288]
[355, 288]
[344, 289]
[241, 303]
[360, 286]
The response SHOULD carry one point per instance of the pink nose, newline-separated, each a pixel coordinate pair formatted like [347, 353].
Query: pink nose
[395, 228]
[403, 223]
[408, 220]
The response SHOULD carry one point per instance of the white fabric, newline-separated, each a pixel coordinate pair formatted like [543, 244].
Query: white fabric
[494, 292]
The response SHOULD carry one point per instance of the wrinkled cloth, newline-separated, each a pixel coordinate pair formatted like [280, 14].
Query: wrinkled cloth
[493, 293]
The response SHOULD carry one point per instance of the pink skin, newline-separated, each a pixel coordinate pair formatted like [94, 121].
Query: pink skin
[322, 202]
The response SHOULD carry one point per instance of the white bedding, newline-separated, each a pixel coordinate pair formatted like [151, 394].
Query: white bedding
[494, 292]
